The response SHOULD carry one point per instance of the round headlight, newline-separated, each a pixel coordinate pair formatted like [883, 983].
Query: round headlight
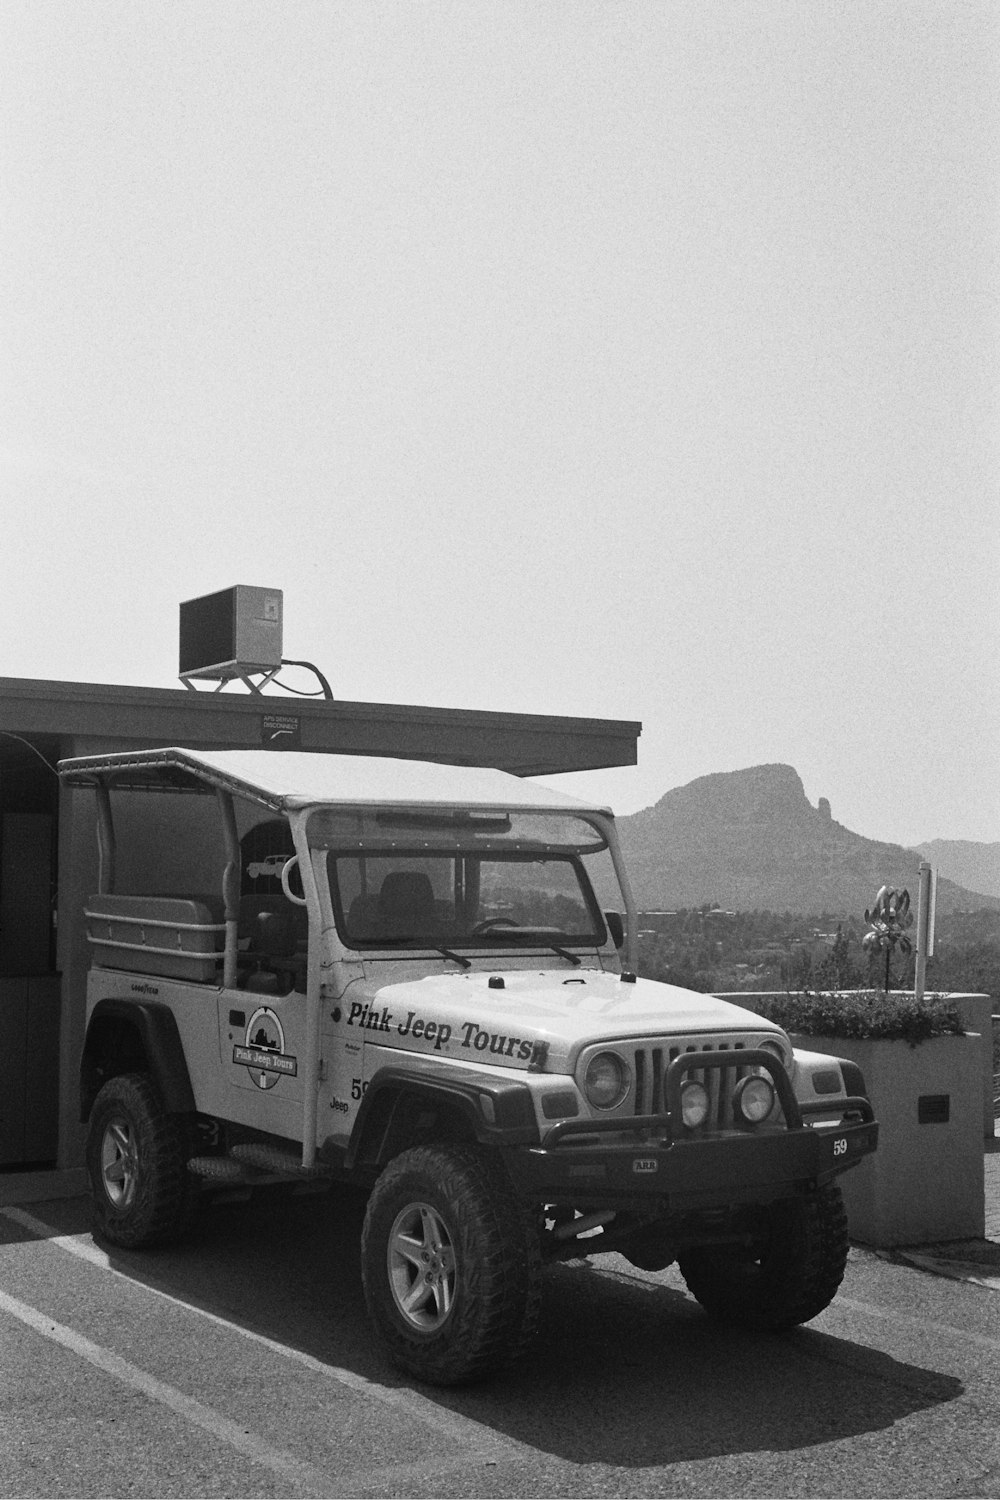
[607, 1080]
[753, 1099]
[694, 1103]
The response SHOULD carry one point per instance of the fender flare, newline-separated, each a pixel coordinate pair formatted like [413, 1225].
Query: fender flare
[152, 1029]
[498, 1111]
[854, 1081]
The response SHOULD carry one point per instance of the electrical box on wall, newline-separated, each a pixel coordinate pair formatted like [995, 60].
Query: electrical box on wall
[228, 634]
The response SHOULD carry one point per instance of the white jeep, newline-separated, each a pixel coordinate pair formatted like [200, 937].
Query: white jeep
[313, 968]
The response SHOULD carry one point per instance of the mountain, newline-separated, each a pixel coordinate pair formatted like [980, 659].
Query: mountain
[974, 865]
[752, 840]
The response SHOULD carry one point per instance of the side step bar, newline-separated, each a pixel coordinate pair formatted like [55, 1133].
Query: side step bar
[256, 1162]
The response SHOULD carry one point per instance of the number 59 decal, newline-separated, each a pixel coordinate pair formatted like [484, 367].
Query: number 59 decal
[840, 1146]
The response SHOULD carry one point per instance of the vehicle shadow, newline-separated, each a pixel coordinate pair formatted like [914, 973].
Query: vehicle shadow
[626, 1371]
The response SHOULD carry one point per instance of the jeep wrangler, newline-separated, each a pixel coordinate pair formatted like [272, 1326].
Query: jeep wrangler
[311, 969]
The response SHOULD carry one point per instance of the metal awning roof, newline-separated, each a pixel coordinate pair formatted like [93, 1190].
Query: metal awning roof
[288, 780]
[88, 717]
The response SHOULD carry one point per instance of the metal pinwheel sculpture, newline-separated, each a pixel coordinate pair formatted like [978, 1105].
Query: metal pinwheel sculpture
[889, 916]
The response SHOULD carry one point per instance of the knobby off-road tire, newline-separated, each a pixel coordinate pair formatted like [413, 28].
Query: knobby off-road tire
[787, 1277]
[450, 1265]
[142, 1192]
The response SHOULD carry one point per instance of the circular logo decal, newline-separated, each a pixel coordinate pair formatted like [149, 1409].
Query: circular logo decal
[264, 1034]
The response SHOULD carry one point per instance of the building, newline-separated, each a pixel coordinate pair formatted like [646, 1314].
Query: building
[48, 847]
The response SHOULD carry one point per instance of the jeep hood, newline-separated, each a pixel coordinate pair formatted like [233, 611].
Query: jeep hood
[500, 1018]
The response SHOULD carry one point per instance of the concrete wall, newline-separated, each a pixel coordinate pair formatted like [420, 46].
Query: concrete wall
[925, 1182]
[976, 1014]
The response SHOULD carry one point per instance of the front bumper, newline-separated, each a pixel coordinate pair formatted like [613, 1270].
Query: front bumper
[732, 1168]
[647, 1158]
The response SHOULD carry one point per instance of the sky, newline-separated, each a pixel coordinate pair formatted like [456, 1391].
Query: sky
[634, 360]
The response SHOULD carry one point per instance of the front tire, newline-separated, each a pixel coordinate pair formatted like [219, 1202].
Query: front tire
[788, 1273]
[450, 1265]
[142, 1192]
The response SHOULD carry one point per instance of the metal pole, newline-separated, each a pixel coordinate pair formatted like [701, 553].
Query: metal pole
[105, 840]
[923, 929]
[311, 1062]
[231, 878]
[608, 827]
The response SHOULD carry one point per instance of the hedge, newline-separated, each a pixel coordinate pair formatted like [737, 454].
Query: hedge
[864, 1015]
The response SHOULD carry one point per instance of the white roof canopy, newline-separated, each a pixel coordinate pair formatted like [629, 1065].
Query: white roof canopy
[289, 780]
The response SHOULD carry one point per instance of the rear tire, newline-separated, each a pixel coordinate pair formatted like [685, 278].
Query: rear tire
[450, 1264]
[788, 1275]
[142, 1192]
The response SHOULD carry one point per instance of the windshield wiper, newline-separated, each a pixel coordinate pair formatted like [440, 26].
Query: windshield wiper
[457, 958]
[465, 963]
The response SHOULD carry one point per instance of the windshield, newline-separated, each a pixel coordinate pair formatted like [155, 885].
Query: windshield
[419, 898]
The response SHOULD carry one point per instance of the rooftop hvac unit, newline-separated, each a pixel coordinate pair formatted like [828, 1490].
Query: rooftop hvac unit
[231, 634]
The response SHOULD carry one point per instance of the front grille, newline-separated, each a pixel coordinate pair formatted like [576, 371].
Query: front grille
[650, 1064]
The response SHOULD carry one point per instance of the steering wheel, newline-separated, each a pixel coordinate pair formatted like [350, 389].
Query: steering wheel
[488, 922]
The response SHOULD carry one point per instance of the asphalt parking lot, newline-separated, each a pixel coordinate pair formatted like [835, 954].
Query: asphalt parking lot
[241, 1364]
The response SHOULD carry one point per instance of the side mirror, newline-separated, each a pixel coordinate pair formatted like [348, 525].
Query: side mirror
[616, 927]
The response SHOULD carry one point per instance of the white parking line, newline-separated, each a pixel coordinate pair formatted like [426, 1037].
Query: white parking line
[954, 1270]
[922, 1325]
[307, 1479]
[77, 1244]
[478, 1442]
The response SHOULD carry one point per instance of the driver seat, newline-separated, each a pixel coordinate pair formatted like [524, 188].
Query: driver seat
[406, 904]
[273, 951]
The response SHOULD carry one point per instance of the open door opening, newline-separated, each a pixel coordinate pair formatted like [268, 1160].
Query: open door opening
[29, 983]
